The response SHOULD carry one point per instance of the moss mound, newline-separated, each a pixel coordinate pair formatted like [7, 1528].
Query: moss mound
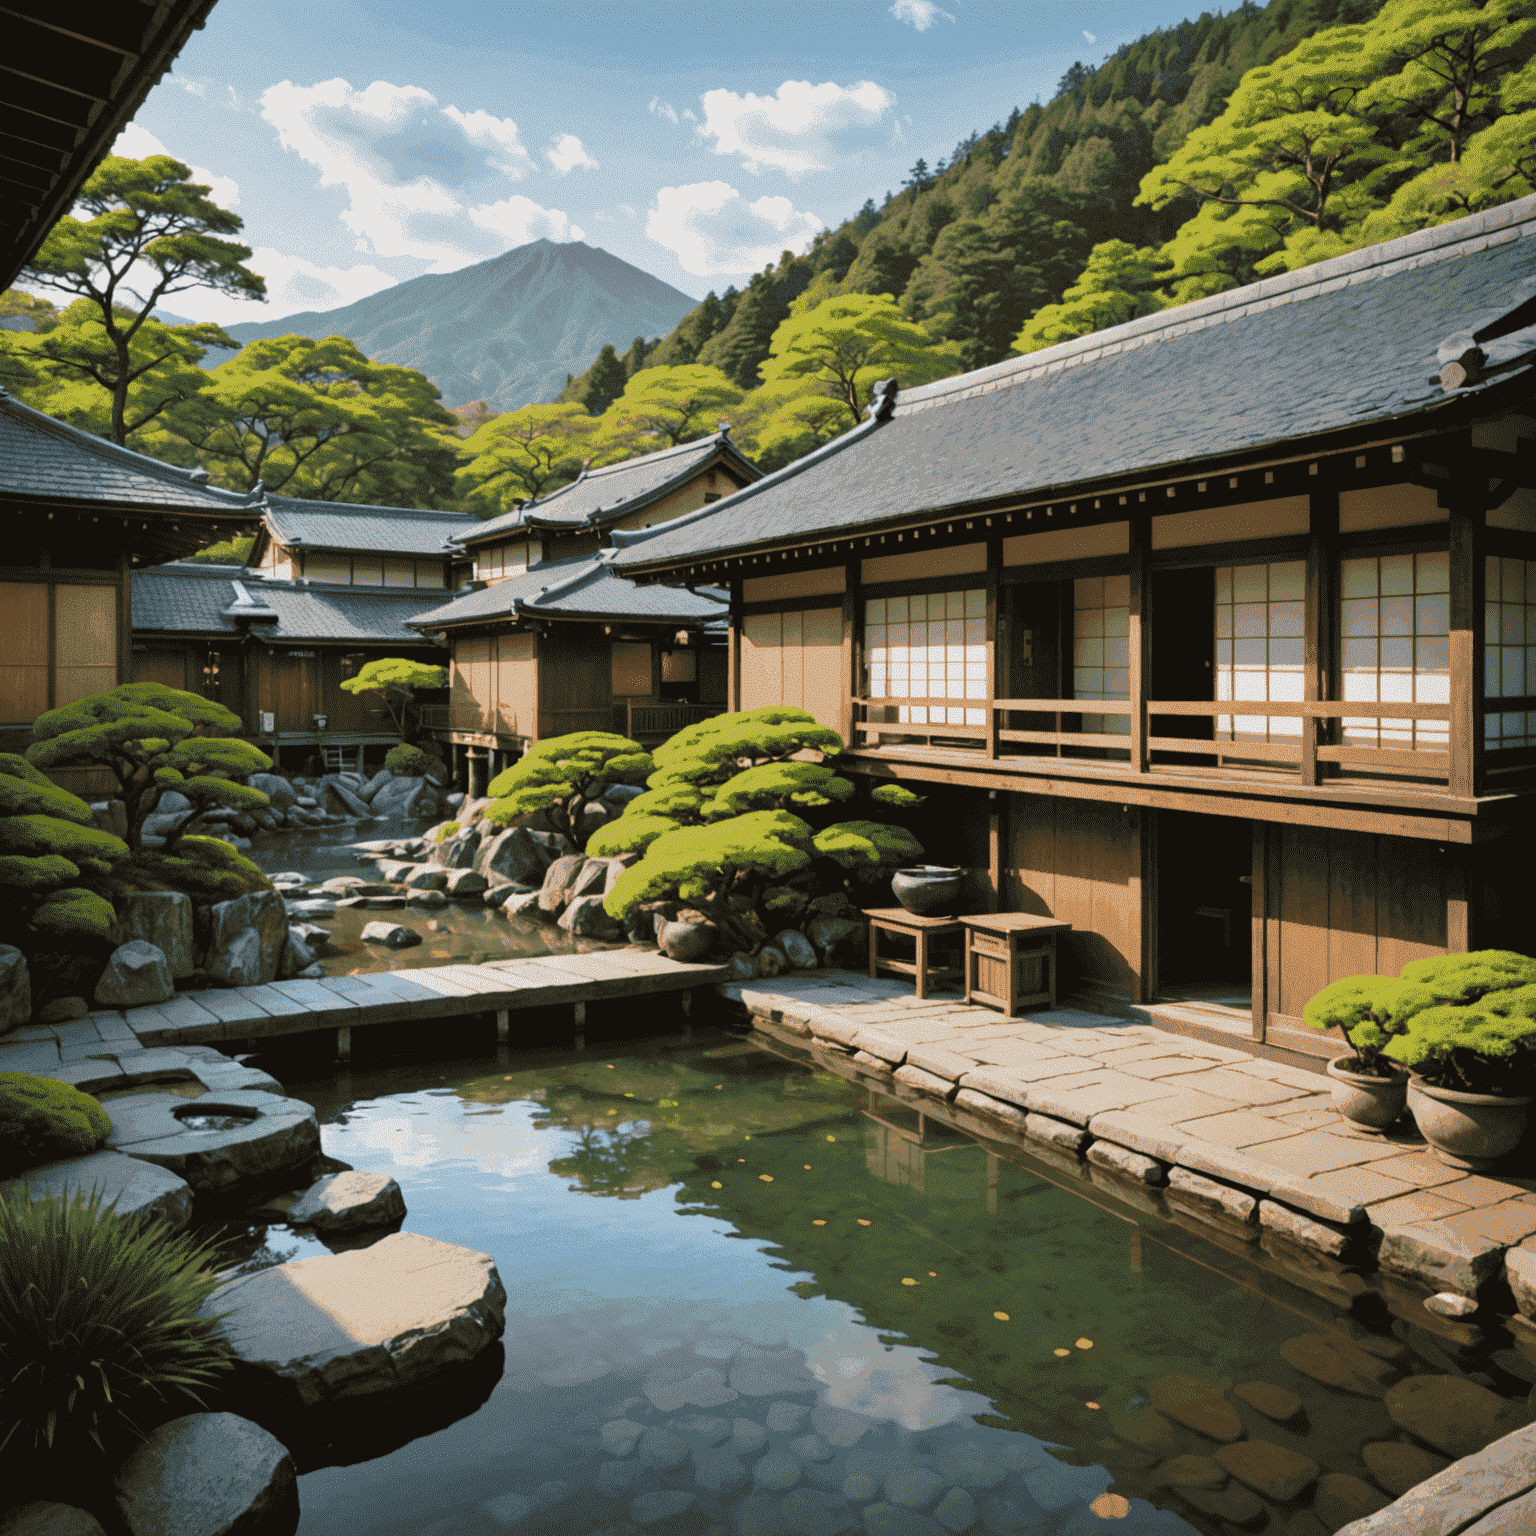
[42, 1120]
[206, 868]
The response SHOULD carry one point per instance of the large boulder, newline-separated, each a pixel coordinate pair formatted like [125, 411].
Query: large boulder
[136, 976]
[799, 949]
[43, 1518]
[246, 939]
[514, 855]
[161, 918]
[15, 988]
[402, 797]
[458, 850]
[275, 787]
[463, 883]
[297, 954]
[584, 918]
[685, 941]
[172, 803]
[139, 1188]
[424, 877]
[391, 1316]
[840, 941]
[349, 1202]
[335, 794]
[558, 882]
[375, 784]
[208, 1474]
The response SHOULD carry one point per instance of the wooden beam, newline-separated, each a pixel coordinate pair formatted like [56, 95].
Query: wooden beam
[1140, 637]
[1320, 621]
[733, 648]
[1258, 925]
[1467, 649]
[1139, 892]
[995, 672]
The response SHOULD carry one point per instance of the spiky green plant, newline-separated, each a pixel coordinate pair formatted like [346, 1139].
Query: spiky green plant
[101, 1326]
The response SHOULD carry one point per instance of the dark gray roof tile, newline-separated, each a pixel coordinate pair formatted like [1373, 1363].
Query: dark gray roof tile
[370, 530]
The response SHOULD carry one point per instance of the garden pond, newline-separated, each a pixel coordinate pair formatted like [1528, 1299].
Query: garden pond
[748, 1296]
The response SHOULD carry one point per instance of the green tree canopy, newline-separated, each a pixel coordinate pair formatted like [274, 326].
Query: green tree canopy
[521, 454]
[563, 775]
[1119, 283]
[395, 679]
[605, 381]
[662, 407]
[317, 419]
[150, 232]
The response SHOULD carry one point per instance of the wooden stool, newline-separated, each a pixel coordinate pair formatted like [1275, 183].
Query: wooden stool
[998, 946]
[922, 931]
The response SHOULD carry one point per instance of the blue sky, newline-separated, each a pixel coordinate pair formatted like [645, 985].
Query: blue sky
[368, 141]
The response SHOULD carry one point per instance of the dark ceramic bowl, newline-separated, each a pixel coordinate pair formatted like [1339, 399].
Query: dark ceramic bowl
[929, 890]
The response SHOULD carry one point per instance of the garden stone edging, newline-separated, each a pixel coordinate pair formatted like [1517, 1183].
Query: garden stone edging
[354, 1324]
[208, 1474]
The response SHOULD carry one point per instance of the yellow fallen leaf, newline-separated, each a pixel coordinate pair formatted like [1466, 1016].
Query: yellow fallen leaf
[746, 1138]
[1090, 1405]
[1002, 1317]
[861, 1221]
[1061, 1352]
[806, 1166]
[818, 1222]
[831, 1138]
[629, 1095]
[613, 1111]
[909, 1282]
[716, 1184]
[767, 1178]
[741, 1159]
[1111, 1506]
[507, 1078]
[1085, 1343]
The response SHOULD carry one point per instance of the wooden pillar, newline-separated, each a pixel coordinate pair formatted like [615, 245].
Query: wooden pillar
[503, 1024]
[1259, 925]
[124, 618]
[1460, 919]
[996, 672]
[1141, 898]
[997, 845]
[852, 658]
[1468, 606]
[1322, 608]
[344, 1043]
[733, 650]
[579, 1020]
[1139, 633]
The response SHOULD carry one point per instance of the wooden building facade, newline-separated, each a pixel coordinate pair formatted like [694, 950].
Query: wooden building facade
[1213, 634]
[546, 639]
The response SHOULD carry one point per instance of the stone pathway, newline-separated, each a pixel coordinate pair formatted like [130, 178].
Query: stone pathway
[1243, 1141]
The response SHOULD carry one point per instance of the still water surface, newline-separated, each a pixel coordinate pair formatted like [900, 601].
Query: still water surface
[816, 1316]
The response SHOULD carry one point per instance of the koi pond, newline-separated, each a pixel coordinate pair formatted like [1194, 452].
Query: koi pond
[748, 1297]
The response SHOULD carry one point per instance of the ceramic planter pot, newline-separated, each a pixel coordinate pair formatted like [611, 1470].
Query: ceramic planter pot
[929, 890]
[1372, 1103]
[1467, 1130]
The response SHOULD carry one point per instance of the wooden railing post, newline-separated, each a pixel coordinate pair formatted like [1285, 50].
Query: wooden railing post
[996, 667]
[1140, 637]
[1320, 620]
[1468, 604]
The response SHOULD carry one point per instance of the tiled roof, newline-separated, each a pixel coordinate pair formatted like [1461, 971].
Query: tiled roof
[44, 459]
[371, 530]
[615, 490]
[1346, 343]
[577, 588]
[192, 599]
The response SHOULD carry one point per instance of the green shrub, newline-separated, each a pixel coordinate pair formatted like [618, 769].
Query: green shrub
[446, 831]
[100, 1328]
[42, 1120]
[563, 776]
[1487, 1047]
[407, 762]
[206, 868]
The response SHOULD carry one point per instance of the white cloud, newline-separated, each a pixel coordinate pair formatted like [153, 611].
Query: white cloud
[802, 127]
[136, 143]
[919, 14]
[294, 283]
[422, 180]
[660, 108]
[567, 154]
[713, 230]
[1089, 35]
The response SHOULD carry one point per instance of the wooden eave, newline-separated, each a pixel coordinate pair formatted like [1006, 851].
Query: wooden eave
[151, 535]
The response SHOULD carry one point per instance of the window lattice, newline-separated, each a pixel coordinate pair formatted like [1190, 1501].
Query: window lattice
[1260, 620]
[931, 646]
[1395, 624]
[1509, 653]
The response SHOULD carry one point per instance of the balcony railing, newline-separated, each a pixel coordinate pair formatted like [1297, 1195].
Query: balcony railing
[654, 722]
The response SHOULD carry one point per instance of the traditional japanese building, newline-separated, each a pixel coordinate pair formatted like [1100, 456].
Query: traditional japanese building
[549, 640]
[79, 516]
[1213, 634]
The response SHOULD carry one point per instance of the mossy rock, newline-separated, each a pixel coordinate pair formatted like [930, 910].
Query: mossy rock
[42, 1120]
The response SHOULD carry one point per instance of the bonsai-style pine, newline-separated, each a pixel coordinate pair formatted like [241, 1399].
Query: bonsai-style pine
[55, 865]
[715, 750]
[720, 870]
[792, 786]
[564, 776]
[866, 851]
[206, 868]
[396, 679]
[408, 762]
[154, 739]
[1489, 1047]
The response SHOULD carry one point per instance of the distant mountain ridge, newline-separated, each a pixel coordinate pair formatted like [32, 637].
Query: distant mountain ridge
[507, 330]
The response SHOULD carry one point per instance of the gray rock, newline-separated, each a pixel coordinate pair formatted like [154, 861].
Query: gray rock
[162, 824]
[139, 1188]
[811, 1448]
[785, 1418]
[296, 955]
[686, 941]
[913, 1487]
[778, 1471]
[378, 1319]
[860, 1487]
[246, 939]
[379, 903]
[41, 1518]
[311, 972]
[335, 794]
[453, 798]
[620, 1436]
[513, 854]
[593, 815]
[558, 880]
[956, 1511]
[425, 877]
[391, 934]
[798, 949]
[171, 803]
[351, 885]
[349, 1202]
[525, 904]
[585, 919]
[464, 882]
[374, 785]
[62, 1010]
[840, 941]
[428, 899]
[971, 1465]
[15, 988]
[208, 1474]
[896, 1520]
[275, 787]
[1449, 1304]
[771, 960]
[743, 966]
[269, 1133]
[619, 795]
[319, 906]
[719, 1471]
[661, 1447]
[111, 816]
[747, 1436]
[402, 797]
[662, 1504]
[137, 975]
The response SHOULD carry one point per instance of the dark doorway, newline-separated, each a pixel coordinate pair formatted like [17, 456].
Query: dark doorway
[1183, 653]
[1033, 658]
[1204, 904]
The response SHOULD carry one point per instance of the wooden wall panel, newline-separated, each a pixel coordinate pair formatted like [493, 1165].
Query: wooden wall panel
[517, 685]
[24, 644]
[762, 666]
[469, 685]
[823, 688]
[1411, 897]
[794, 658]
[85, 641]
[575, 680]
[163, 664]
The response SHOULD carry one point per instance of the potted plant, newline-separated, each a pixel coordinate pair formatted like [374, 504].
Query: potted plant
[1473, 1060]
[1368, 1090]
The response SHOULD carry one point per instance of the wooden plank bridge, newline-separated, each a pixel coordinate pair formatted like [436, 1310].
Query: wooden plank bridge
[348, 1003]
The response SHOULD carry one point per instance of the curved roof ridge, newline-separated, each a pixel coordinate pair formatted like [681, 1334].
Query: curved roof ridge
[283, 503]
[1437, 243]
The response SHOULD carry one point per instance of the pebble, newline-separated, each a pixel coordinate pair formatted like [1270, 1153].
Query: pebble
[1341, 1497]
[662, 1448]
[1449, 1304]
[913, 1487]
[778, 1471]
[1197, 1405]
[663, 1504]
[1398, 1466]
[811, 1448]
[1272, 1470]
[956, 1511]
[1337, 1363]
[785, 1418]
[1193, 1472]
[1272, 1401]
[718, 1471]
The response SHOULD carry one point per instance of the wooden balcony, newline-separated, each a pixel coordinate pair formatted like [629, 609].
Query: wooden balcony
[653, 722]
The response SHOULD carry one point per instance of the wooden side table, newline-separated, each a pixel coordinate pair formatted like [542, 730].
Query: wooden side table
[999, 948]
[922, 931]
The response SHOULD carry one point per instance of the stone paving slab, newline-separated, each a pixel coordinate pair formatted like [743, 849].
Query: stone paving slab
[1262, 1128]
